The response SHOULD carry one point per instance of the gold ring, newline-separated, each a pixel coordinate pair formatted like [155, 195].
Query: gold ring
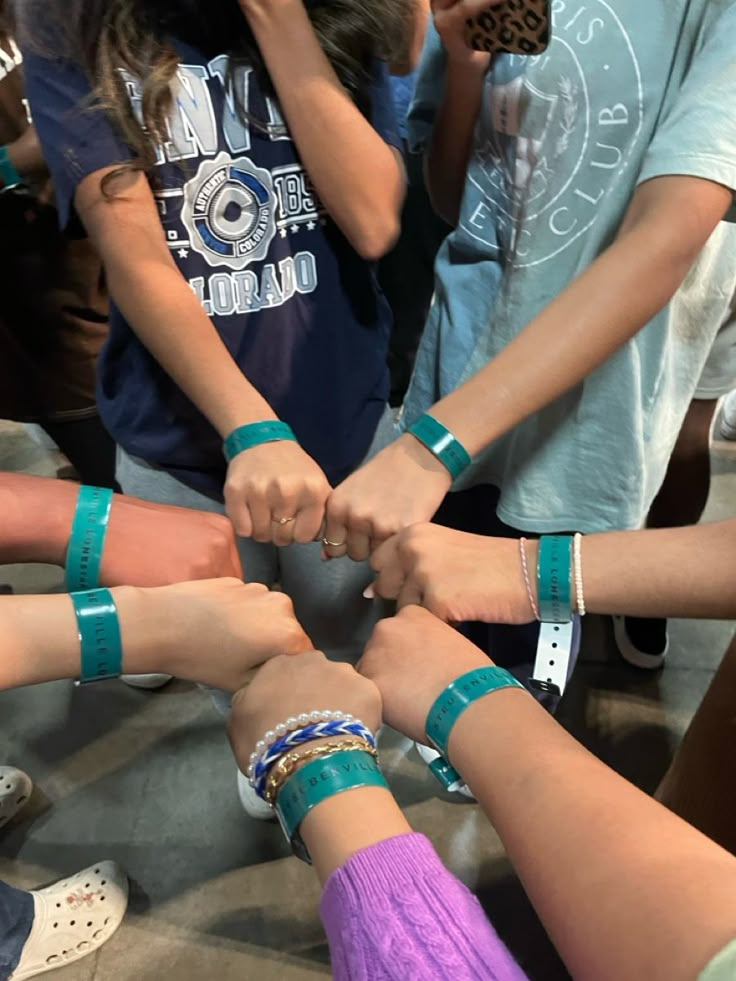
[328, 544]
[283, 521]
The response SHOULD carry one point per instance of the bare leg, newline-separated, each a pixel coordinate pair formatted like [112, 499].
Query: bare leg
[699, 784]
[681, 501]
[684, 493]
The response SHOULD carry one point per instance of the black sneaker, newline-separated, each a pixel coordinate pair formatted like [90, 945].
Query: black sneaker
[642, 641]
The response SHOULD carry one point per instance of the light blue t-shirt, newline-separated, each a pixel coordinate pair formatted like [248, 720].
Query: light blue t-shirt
[627, 91]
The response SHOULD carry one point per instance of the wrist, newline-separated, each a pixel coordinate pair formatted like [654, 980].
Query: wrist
[38, 513]
[254, 434]
[342, 826]
[529, 562]
[152, 629]
[456, 701]
[419, 454]
[465, 64]
[8, 170]
[262, 16]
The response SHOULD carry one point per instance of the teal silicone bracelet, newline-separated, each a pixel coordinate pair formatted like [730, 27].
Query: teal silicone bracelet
[87, 540]
[554, 581]
[8, 173]
[316, 781]
[458, 696]
[99, 636]
[439, 440]
[255, 434]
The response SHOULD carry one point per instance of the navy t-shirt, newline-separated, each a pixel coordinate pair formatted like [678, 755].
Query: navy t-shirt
[295, 305]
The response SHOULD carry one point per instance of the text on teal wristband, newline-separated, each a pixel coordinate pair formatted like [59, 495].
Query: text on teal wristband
[99, 636]
[458, 696]
[256, 434]
[320, 779]
[440, 441]
[554, 579]
[87, 539]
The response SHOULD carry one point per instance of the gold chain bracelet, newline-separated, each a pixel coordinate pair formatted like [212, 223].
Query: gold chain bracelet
[288, 763]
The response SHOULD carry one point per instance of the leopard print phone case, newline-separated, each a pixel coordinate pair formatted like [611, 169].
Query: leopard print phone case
[516, 26]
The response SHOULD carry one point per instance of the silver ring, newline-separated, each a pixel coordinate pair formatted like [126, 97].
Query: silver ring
[283, 521]
[328, 544]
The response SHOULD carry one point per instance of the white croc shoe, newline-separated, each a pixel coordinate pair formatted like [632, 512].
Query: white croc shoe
[253, 805]
[16, 788]
[728, 418]
[149, 682]
[429, 755]
[73, 918]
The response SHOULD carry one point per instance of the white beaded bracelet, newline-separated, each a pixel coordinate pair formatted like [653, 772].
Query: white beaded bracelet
[291, 725]
[577, 567]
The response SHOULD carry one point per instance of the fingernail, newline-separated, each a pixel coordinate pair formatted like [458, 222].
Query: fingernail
[369, 592]
[325, 557]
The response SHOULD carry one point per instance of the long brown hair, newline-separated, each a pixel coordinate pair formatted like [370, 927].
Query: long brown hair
[106, 37]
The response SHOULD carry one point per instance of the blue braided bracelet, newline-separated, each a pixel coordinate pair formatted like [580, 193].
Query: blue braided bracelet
[319, 730]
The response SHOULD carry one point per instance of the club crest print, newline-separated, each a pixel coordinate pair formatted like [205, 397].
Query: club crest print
[229, 212]
[556, 132]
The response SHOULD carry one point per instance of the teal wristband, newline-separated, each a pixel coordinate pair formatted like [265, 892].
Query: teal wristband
[255, 434]
[318, 780]
[459, 696]
[8, 173]
[554, 580]
[99, 636]
[439, 440]
[87, 540]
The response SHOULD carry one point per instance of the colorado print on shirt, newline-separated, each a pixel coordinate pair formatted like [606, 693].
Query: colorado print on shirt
[294, 304]
[231, 210]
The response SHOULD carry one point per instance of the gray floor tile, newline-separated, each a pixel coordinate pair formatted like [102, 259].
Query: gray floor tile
[147, 779]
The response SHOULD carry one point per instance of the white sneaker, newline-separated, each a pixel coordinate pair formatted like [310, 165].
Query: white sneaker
[73, 918]
[429, 755]
[147, 681]
[253, 805]
[728, 417]
[16, 788]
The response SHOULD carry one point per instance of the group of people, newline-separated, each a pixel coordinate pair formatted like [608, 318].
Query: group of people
[234, 175]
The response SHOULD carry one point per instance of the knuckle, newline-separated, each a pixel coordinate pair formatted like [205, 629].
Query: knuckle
[282, 602]
[383, 630]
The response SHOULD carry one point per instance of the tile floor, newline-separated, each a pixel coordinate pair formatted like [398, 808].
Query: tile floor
[147, 779]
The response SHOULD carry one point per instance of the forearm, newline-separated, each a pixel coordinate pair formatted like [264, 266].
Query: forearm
[40, 638]
[590, 320]
[663, 572]
[596, 856]
[170, 321]
[446, 159]
[26, 155]
[344, 825]
[421, 921]
[38, 514]
[356, 174]
[415, 41]
[684, 572]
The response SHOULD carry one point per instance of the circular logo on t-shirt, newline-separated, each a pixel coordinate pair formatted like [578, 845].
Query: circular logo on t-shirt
[556, 131]
[229, 212]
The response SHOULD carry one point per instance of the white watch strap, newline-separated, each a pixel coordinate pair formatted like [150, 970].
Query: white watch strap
[552, 663]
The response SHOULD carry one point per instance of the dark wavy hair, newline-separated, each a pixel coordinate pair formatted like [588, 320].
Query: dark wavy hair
[106, 37]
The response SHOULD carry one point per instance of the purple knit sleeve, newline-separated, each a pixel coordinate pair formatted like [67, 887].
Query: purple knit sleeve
[394, 912]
